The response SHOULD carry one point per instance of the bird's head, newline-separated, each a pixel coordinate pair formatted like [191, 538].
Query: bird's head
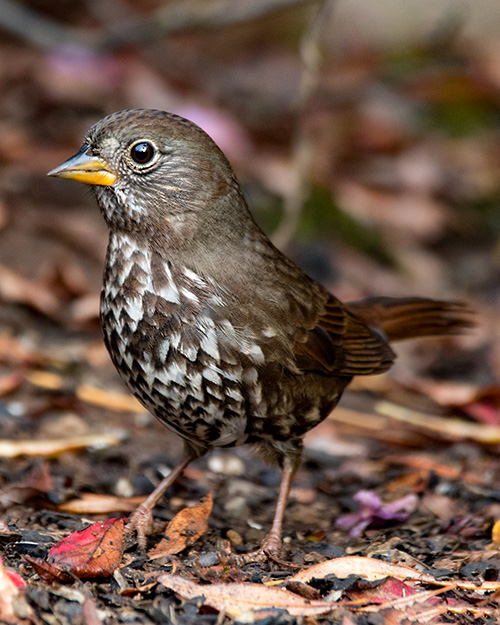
[153, 170]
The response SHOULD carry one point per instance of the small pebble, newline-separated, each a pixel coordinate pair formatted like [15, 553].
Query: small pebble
[238, 507]
[177, 502]
[16, 408]
[254, 524]
[51, 427]
[123, 488]
[209, 559]
[247, 618]
[234, 537]
[143, 419]
[228, 464]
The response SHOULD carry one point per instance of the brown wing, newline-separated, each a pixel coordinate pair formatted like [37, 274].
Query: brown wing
[342, 344]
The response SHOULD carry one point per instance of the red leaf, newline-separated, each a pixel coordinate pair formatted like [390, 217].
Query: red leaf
[10, 584]
[48, 572]
[93, 552]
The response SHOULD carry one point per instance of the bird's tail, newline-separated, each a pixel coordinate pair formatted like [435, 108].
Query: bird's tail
[413, 317]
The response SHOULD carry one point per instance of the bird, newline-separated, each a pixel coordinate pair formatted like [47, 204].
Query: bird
[218, 334]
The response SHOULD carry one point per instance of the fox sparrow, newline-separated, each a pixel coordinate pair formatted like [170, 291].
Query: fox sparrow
[217, 333]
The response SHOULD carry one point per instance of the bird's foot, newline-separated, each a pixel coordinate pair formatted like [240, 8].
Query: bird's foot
[270, 549]
[140, 522]
[141, 519]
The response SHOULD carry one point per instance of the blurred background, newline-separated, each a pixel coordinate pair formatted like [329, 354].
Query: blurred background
[366, 137]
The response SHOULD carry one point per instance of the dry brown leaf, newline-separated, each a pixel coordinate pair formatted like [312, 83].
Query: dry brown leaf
[16, 289]
[237, 599]
[473, 585]
[10, 382]
[45, 379]
[56, 447]
[90, 614]
[13, 352]
[37, 482]
[422, 217]
[427, 465]
[446, 392]
[404, 602]
[370, 569]
[47, 571]
[92, 503]
[105, 399]
[85, 308]
[475, 611]
[184, 529]
[89, 394]
[495, 533]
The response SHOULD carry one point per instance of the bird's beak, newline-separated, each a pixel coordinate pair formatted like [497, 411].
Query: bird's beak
[86, 168]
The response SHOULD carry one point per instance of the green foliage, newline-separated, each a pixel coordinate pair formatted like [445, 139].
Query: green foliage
[322, 217]
[463, 118]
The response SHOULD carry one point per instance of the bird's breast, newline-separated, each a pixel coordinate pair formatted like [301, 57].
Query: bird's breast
[169, 338]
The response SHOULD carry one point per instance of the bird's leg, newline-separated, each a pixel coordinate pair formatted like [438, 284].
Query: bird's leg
[141, 520]
[271, 545]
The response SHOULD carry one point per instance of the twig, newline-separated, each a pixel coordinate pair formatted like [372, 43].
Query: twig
[39, 30]
[302, 150]
[169, 19]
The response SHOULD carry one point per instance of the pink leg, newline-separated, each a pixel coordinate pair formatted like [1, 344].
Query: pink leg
[141, 520]
[271, 545]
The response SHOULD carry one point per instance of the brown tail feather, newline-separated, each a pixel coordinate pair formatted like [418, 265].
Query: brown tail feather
[412, 317]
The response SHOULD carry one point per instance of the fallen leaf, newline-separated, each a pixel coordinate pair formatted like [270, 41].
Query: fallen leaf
[37, 482]
[10, 584]
[85, 308]
[14, 577]
[446, 393]
[47, 571]
[65, 277]
[45, 379]
[476, 611]
[105, 399]
[88, 394]
[404, 601]
[387, 591]
[92, 503]
[373, 569]
[10, 382]
[441, 506]
[95, 551]
[428, 465]
[237, 599]
[370, 569]
[90, 614]
[14, 353]
[185, 528]
[56, 447]
[482, 412]
[495, 533]
[16, 289]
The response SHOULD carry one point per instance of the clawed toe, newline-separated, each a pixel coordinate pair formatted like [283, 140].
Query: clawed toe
[140, 522]
[270, 549]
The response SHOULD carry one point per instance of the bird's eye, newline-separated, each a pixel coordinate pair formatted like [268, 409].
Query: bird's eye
[142, 152]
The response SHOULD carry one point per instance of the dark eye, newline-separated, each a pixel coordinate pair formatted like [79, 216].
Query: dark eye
[142, 152]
